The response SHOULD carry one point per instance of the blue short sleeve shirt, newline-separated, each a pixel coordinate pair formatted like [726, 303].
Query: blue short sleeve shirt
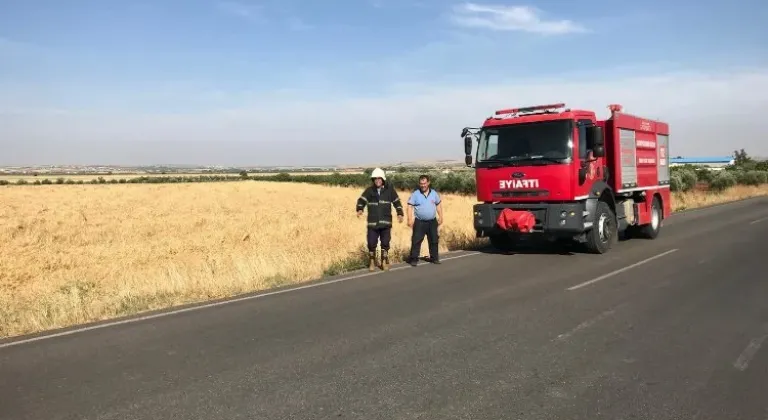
[424, 205]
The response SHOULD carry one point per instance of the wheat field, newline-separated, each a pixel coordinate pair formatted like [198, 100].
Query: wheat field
[78, 253]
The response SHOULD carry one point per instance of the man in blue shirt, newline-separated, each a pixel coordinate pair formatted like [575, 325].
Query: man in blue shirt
[425, 214]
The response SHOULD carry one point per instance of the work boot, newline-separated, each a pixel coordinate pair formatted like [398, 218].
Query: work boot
[384, 260]
[372, 261]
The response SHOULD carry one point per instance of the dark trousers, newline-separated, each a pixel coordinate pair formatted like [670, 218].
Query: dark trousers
[373, 238]
[421, 228]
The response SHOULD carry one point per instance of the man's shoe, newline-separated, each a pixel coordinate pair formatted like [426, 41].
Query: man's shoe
[413, 262]
[372, 261]
[435, 261]
[384, 261]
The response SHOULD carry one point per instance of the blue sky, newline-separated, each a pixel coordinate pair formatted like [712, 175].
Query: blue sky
[85, 81]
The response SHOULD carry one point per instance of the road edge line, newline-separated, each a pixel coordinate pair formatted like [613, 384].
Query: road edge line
[202, 305]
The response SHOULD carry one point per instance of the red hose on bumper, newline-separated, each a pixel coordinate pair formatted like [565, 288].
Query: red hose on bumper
[516, 220]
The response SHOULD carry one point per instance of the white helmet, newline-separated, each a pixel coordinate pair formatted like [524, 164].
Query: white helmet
[378, 173]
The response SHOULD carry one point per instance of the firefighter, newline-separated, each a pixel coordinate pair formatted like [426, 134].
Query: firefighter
[379, 199]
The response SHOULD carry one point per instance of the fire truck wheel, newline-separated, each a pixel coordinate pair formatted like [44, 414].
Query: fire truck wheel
[604, 233]
[502, 242]
[651, 230]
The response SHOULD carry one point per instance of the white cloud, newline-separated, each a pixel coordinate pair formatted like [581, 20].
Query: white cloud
[511, 18]
[298, 24]
[8, 45]
[251, 12]
[259, 13]
[709, 113]
[12, 49]
[380, 4]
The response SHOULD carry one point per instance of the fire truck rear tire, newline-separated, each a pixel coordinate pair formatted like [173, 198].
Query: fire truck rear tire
[604, 232]
[651, 230]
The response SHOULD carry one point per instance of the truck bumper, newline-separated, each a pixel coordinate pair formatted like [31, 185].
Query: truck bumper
[557, 219]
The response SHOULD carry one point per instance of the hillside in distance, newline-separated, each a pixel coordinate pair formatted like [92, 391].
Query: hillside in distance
[195, 169]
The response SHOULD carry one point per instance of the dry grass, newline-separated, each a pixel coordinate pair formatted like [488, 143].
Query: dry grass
[696, 199]
[73, 254]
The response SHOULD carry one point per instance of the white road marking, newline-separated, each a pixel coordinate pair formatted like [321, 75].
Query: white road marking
[588, 323]
[214, 304]
[621, 270]
[746, 356]
[754, 222]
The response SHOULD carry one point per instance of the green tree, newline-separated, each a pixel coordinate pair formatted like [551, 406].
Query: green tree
[741, 160]
[722, 181]
[741, 157]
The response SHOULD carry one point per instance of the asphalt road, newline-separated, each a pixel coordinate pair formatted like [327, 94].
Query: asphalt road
[485, 336]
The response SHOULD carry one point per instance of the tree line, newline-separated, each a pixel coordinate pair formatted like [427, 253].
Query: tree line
[460, 182]
[744, 171]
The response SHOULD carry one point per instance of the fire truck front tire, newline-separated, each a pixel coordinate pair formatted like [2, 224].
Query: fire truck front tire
[502, 242]
[603, 234]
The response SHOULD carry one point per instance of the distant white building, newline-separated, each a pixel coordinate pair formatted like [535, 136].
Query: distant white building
[714, 163]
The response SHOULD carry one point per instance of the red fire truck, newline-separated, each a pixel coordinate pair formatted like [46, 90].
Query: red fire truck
[548, 171]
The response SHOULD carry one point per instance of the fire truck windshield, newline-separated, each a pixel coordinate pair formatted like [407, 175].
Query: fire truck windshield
[539, 143]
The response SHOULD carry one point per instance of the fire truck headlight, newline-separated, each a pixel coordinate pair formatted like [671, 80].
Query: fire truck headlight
[562, 222]
[563, 214]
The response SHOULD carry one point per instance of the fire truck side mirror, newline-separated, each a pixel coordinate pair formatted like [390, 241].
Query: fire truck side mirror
[468, 160]
[598, 151]
[468, 145]
[464, 132]
[596, 140]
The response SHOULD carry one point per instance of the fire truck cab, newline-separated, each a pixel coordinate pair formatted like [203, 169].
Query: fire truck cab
[565, 175]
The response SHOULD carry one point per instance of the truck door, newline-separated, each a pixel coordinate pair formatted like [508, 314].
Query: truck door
[594, 170]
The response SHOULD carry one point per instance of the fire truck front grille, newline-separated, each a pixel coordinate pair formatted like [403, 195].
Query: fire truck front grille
[520, 193]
